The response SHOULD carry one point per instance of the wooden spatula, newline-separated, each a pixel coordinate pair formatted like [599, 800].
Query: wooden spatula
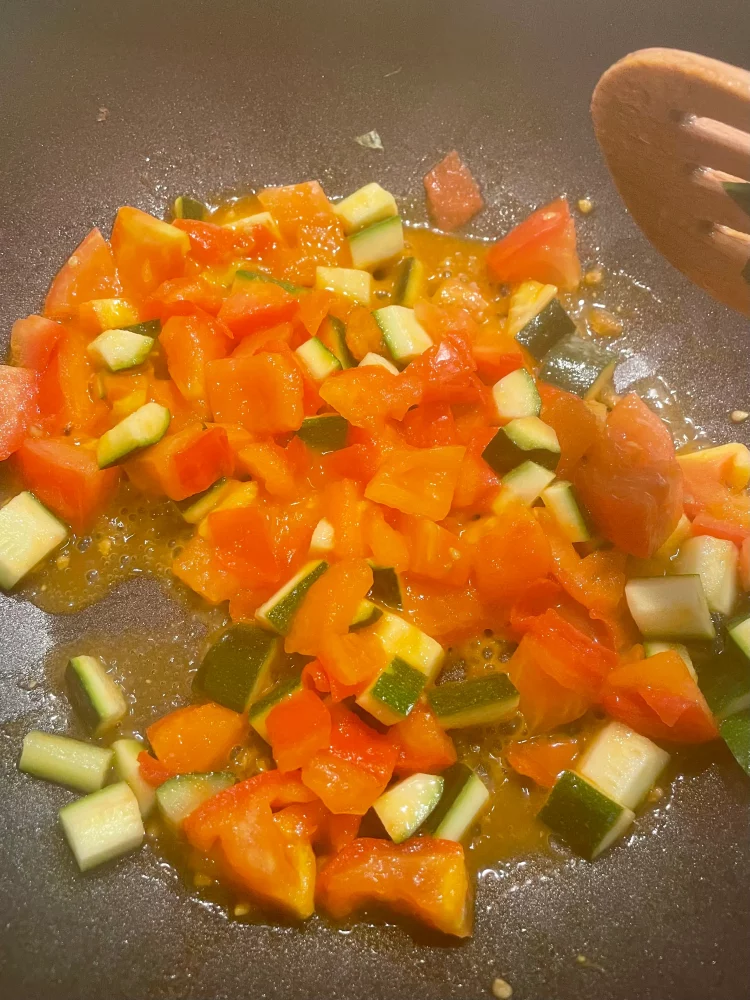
[675, 131]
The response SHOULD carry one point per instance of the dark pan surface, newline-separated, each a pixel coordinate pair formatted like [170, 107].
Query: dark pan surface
[220, 95]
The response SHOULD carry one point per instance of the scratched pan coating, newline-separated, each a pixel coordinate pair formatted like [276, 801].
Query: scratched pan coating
[217, 96]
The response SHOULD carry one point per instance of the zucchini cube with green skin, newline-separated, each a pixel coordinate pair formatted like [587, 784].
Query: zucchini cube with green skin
[149, 328]
[237, 666]
[127, 768]
[580, 366]
[545, 330]
[332, 332]
[103, 825]
[527, 481]
[654, 648]
[406, 805]
[120, 349]
[242, 276]
[372, 360]
[516, 395]
[368, 205]
[404, 336]
[584, 817]
[464, 797]
[478, 701]
[622, 764]
[195, 508]
[181, 795]
[735, 731]
[317, 360]
[525, 439]
[279, 610]
[78, 765]
[526, 303]
[145, 426]
[324, 433]
[372, 247]
[347, 281]
[366, 614]
[560, 498]
[186, 207]
[28, 534]
[260, 710]
[715, 561]
[725, 680]
[249, 222]
[408, 285]
[95, 697]
[394, 692]
[670, 607]
[386, 587]
[419, 650]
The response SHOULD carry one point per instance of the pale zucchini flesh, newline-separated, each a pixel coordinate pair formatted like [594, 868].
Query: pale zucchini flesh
[715, 561]
[103, 825]
[372, 247]
[404, 336]
[147, 425]
[78, 765]
[516, 395]
[317, 359]
[622, 764]
[279, 610]
[527, 481]
[347, 281]
[464, 797]
[181, 795]
[120, 349]
[560, 498]
[371, 360]
[365, 207]
[127, 768]
[670, 607]
[405, 806]
[94, 695]
[28, 534]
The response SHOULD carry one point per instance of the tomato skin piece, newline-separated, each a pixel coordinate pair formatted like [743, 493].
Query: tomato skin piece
[183, 464]
[189, 343]
[196, 738]
[542, 247]
[297, 728]
[18, 407]
[658, 698]
[424, 746]
[422, 878]
[418, 482]
[258, 306]
[453, 196]
[263, 393]
[33, 341]
[89, 273]
[704, 524]
[542, 759]
[67, 479]
[147, 251]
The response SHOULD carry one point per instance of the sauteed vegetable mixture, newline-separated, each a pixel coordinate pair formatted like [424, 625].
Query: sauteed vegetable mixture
[434, 524]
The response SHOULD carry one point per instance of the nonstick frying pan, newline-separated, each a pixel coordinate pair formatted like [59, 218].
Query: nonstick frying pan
[215, 97]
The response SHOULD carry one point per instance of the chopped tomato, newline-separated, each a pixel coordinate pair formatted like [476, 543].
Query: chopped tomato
[510, 554]
[242, 538]
[630, 481]
[744, 565]
[573, 422]
[363, 335]
[435, 552]
[418, 482]
[429, 425]
[268, 463]
[542, 247]
[477, 483]
[356, 767]
[183, 297]
[196, 738]
[545, 704]
[367, 396]
[313, 309]
[351, 661]
[329, 606]
[704, 524]
[262, 392]
[259, 305]
[18, 406]
[198, 569]
[344, 508]
[442, 613]
[295, 205]
[189, 343]
[446, 371]
[424, 746]
[297, 728]
[66, 402]
[453, 196]
[422, 878]
[543, 758]
[152, 771]
[66, 478]
[33, 341]
[89, 273]
[183, 464]
[715, 486]
[147, 251]
[659, 698]
[387, 546]
[213, 245]
[495, 361]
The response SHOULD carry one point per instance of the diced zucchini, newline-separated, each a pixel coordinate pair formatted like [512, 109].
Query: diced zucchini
[560, 498]
[405, 806]
[120, 349]
[546, 328]
[739, 629]
[409, 282]
[181, 795]
[103, 825]
[195, 508]
[332, 333]
[323, 538]
[725, 682]
[146, 426]
[279, 610]
[404, 337]
[372, 360]
[366, 614]
[237, 666]
[324, 433]
[248, 222]
[464, 797]
[260, 710]
[149, 328]
[242, 276]
[675, 540]
[386, 587]
[406, 641]
[372, 247]
[368, 205]
[714, 560]
[652, 648]
[733, 459]
[580, 366]
[585, 818]
[394, 692]
[317, 359]
[352, 284]
[94, 695]
[515, 395]
[622, 764]
[128, 769]
[526, 302]
[735, 731]
[521, 440]
[68, 762]
[670, 607]
[527, 481]
[186, 207]
[478, 701]
[28, 533]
